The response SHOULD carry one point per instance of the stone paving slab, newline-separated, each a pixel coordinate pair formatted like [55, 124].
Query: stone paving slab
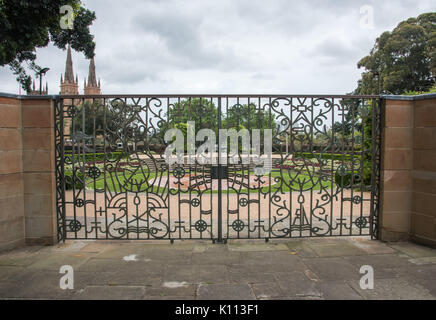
[267, 290]
[394, 289]
[215, 258]
[372, 247]
[413, 250]
[84, 279]
[301, 248]
[245, 247]
[251, 278]
[35, 284]
[21, 258]
[9, 271]
[337, 290]
[332, 268]
[210, 274]
[336, 249]
[423, 260]
[385, 266]
[297, 284]
[55, 261]
[271, 257]
[423, 275]
[111, 293]
[179, 272]
[172, 288]
[225, 291]
[309, 269]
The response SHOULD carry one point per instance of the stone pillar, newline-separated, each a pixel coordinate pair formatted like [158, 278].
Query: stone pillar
[11, 174]
[39, 170]
[423, 216]
[397, 165]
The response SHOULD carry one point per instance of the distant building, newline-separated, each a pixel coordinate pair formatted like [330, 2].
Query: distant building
[70, 85]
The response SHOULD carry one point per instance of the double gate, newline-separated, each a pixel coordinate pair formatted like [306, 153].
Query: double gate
[113, 180]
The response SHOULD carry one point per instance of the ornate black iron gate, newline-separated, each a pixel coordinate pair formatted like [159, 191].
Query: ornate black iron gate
[113, 181]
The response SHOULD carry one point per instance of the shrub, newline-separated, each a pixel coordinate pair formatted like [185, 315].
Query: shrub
[77, 180]
[89, 157]
[345, 181]
[328, 156]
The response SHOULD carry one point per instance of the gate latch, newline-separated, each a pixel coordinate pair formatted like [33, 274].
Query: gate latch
[216, 173]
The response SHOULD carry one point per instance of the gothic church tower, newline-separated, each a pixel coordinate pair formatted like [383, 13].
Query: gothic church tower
[92, 87]
[69, 86]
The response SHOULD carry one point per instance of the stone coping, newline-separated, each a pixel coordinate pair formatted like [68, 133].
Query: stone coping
[408, 98]
[383, 96]
[23, 96]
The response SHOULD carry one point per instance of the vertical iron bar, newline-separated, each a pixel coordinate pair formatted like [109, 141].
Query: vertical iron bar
[248, 169]
[167, 184]
[220, 209]
[94, 136]
[179, 105]
[362, 160]
[312, 151]
[64, 223]
[60, 161]
[375, 165]
[104, 168]
[352, 169]
[282, 163]
[73, 174]
[378, 161]
[272, 166]
[342, 164]
[228, 184]
[190, 172]
[332, 173]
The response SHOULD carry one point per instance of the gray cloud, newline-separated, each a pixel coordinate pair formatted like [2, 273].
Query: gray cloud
[227, 46]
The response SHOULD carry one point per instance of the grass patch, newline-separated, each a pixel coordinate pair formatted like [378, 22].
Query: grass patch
[282, 182]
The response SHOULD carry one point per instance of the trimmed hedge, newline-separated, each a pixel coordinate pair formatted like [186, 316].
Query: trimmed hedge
[96, 156]
[345, 181]
[78, 180]
[327, 156]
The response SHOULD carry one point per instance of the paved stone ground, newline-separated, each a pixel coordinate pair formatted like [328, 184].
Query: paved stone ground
[325, 268]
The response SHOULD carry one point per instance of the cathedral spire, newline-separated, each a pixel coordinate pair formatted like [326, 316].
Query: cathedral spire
[69, 75]
[92, 81]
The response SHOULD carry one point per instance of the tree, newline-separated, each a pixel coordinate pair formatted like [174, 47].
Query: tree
[93, 115]
[200, 110]
[204, 113]
[249, 117]
[28, 24]
[404, 59]
[113, 121]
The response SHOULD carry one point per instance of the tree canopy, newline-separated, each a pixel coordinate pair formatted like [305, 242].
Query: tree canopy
[404, 59]
[204, 113]
[28, 24]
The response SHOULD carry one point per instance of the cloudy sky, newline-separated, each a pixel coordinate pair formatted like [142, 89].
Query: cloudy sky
[228, 46]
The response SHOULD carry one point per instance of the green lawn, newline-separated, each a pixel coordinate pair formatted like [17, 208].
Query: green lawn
[295, 181]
